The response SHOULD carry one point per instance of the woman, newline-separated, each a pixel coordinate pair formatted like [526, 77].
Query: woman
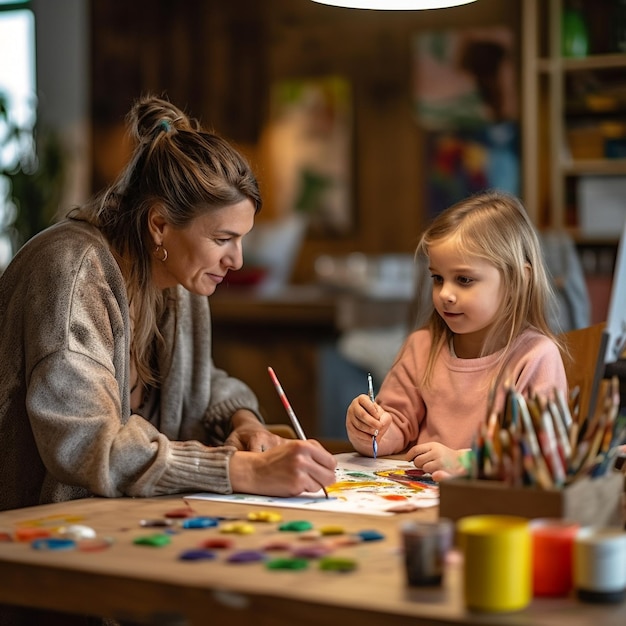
[107, 386]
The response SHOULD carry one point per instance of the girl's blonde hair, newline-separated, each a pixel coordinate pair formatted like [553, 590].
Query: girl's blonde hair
[185, 172]
[495, 227]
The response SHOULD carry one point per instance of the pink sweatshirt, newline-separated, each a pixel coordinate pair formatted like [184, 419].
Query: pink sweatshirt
[455, 405]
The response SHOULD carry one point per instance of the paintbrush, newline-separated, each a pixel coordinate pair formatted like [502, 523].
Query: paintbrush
[290, 412]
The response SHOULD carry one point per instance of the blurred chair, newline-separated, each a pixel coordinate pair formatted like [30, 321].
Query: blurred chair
[583, 345]
[334, 446]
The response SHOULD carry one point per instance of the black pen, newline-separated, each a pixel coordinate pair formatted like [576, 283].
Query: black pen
[370, 388]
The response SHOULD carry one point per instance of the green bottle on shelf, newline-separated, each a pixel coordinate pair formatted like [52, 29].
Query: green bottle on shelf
[575, 38]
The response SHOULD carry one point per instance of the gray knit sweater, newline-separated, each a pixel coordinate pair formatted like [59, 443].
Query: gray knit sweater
[65, 421]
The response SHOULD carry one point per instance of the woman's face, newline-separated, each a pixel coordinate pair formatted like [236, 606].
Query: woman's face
[200, 255]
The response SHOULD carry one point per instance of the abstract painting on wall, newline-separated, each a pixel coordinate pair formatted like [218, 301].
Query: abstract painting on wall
[308, 152]
[465, 103]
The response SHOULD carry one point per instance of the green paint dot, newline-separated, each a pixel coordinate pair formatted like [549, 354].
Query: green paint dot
[287, 564]
[155, 541]
[296, 526]
[337, 564]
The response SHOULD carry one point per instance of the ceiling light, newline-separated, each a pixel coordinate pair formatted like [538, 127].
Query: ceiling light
[394, 5]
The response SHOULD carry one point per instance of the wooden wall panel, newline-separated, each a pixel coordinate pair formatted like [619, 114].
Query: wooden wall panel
[219, 58]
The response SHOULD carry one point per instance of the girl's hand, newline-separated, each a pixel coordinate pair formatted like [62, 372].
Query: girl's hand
[285, 470]
[364, 419]
[437, 459]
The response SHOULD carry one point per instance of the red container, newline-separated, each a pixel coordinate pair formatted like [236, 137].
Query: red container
[553, 548]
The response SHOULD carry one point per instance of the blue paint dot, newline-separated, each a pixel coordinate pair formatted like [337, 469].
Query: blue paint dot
[370, 535]
[196, 555]
[53, 543]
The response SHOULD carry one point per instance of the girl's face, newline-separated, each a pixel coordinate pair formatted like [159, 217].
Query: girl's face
[200, 255]
[467, 292]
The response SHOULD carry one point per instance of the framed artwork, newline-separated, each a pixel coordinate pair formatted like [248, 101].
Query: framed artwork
[465, 101]
[464, 161]
[308, 152]
[464, 78]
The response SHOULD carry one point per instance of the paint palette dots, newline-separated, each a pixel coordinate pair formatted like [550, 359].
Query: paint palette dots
[265, 516]
[155, 523]
[196, 555]
[296, 526]
[29, 534]
[94, 545]
[287, 563]
[154, 541]
[370, 535]
[218, 543]
[77, 532]
[337, 564]
[246, 556]
[238, 528]
[53, 543]
[276, 545]
[313, 551]
[180, 513]
[199, 522]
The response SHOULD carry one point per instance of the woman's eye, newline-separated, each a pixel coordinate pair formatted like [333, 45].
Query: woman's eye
[222, 242]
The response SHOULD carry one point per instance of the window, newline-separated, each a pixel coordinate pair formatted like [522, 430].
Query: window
[18, 95]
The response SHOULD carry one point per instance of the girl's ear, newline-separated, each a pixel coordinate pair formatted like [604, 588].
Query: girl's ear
[528, 276]
[156, 224]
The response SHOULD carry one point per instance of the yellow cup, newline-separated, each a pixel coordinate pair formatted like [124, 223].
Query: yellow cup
[497, 562]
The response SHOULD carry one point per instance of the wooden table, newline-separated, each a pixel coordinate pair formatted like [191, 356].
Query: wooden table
[151, 585]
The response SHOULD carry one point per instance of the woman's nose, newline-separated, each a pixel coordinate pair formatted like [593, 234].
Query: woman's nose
[234, 259]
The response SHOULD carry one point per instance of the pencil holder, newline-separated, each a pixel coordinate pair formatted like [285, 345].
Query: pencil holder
[587, 501]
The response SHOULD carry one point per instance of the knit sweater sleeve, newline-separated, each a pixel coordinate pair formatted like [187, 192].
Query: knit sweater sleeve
[77, 393]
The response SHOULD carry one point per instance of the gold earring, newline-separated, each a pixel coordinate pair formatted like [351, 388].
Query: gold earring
[160, 253]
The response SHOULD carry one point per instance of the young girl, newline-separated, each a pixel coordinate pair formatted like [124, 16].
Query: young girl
[488, 330]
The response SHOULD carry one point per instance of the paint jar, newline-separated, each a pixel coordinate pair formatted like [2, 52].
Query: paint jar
[552, 556]
[497, 558]
[426, 545]
[600, 564]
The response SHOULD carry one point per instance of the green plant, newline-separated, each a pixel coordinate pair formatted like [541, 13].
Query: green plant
[32, 166]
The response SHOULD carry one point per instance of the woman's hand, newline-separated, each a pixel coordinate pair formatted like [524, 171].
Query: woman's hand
[251, 435]
[364, 419]
[285, 470]
[437, 459]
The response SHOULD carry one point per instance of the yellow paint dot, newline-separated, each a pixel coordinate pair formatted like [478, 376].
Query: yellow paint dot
[264, 516]
[237, 528]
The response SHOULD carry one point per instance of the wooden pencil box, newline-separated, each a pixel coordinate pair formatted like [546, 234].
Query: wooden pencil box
[588, 501]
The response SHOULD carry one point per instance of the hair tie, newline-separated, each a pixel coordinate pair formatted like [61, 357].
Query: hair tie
[165, 126]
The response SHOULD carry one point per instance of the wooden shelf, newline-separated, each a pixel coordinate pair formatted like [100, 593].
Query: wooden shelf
[591, 62]
[554, 95]
[594, 167]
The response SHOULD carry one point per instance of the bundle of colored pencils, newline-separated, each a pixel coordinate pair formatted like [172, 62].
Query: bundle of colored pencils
[543, 442]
